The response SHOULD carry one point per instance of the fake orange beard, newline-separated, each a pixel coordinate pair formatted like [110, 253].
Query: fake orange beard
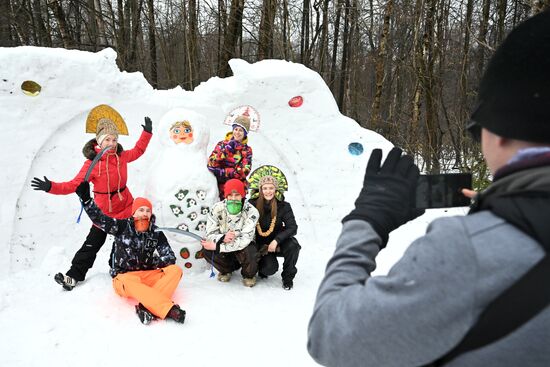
[141, 225]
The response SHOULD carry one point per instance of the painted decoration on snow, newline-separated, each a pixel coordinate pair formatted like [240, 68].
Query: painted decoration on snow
[179, 185]
[245, 110]
[355, 148]
[104, 111]
[267, 170]
[296, 101]
[184, 253]
[181, 132]
[31, 88]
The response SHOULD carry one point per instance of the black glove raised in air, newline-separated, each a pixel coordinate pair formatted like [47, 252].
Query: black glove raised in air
[387, 199]
[38, 184]
[148, 125]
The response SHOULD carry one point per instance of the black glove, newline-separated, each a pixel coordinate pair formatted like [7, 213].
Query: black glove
[83, 191]
[148, 125]
[38, 184]
[387, 199]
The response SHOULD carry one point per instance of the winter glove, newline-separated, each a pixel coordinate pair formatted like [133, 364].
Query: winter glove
[38, 184]
[232, 145]
[218, 172]
[83, 192]
[387, 199]
[148, 125]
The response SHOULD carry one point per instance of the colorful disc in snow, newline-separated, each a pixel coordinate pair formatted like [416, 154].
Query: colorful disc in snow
[199, 255]
[31, 88]
[188, 265]
[355, 148]
[296, 101]
[184, 253]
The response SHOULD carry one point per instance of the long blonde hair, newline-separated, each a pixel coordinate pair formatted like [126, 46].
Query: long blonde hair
[260, 203]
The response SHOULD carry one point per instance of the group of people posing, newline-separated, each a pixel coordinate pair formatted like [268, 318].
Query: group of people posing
[240, 234]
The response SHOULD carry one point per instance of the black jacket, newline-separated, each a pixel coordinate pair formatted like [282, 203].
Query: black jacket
[132, 250]
[285, 224]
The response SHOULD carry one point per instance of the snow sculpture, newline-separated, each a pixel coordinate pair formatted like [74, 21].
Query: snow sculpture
[180, 186]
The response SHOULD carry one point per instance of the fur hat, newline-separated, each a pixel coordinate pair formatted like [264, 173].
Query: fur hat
[139, 202]
[268, 180]
[242, 121]
[105, 127]
[514, 93]
[233, 184]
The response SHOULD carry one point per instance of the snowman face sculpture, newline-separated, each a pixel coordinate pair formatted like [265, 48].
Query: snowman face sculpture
[181, 132]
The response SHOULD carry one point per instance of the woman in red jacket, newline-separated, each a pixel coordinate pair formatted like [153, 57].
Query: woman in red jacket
[111, 195]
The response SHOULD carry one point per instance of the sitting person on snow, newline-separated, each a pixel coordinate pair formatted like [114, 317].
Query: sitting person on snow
[142, 262]
[230, 231]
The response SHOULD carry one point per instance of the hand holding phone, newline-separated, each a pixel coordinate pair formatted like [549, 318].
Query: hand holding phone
[443, 190]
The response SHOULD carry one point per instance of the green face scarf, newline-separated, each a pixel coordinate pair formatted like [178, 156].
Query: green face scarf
[234, 206]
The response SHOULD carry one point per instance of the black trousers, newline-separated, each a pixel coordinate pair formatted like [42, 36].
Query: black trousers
[228, 262]
[85, 257]
[289, 250]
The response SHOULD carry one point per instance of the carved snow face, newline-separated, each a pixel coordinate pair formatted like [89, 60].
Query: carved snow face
[181, 132]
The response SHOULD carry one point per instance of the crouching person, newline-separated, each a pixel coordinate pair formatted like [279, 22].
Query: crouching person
[230, 231]
[142, 262]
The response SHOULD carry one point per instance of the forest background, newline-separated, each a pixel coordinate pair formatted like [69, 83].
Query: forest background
[407, 69]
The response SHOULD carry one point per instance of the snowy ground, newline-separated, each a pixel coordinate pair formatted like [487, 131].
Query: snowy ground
[227, 324]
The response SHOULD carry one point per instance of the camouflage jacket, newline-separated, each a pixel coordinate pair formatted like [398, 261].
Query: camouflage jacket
[220, 222]
[132, 250]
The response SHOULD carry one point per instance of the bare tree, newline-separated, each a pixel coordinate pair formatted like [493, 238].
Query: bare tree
[232, 35]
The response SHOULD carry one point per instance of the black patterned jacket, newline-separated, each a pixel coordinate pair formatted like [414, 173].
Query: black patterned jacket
[132, 250]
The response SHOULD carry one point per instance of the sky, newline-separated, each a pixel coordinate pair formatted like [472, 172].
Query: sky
[227, 324]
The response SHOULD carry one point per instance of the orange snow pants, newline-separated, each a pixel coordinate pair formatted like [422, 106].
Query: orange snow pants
[152, 288]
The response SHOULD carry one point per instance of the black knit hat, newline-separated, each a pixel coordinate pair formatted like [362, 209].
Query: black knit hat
[514, 93]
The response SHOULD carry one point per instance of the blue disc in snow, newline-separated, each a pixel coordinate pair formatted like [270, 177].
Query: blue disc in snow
[355, 148]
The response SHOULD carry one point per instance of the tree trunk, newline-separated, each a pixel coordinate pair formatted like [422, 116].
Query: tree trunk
[6, 39]
[304, 41]
[482, 38]
[152, 42]
[222, 25]
[232, 35]
[64, 30]
[92, 24]
[192, 45]
[345, 59]
[381, 66]
[332, 82]
[265, 36]
[323, 45]
[135, 11]
[43, 39]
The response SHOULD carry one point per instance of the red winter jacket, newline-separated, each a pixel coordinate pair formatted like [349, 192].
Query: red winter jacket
[108, 176]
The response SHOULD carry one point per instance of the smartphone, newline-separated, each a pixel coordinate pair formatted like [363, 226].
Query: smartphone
[442, 190]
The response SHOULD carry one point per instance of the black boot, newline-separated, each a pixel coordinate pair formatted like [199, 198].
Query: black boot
[66, 281]
[176, 314]
[288, 284]
[145, 316]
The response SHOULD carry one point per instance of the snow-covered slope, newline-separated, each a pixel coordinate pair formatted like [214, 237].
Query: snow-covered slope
[227, 323]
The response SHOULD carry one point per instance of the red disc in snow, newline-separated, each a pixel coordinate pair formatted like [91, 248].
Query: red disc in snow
[296, 101]
[188, 265]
